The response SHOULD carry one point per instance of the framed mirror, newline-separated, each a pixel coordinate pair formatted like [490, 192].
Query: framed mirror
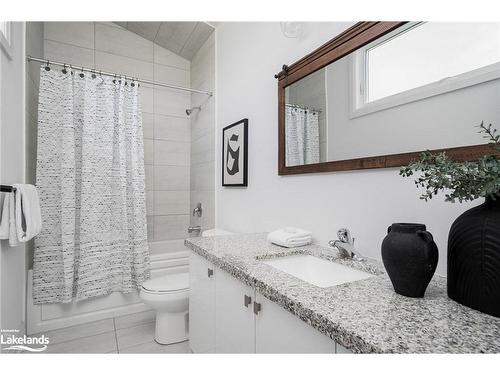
[382, 92]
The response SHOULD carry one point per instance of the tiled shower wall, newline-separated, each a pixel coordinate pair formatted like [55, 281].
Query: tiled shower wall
[167, 133]
[203, 135]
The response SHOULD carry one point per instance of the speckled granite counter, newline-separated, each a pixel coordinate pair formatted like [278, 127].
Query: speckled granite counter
[365, 316]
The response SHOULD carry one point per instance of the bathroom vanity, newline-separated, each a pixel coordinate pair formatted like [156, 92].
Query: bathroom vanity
[243, 299]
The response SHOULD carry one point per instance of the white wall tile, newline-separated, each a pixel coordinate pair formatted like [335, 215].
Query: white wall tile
[171, 227]
[149, 171]
[79, 34]
[171, 202]
[123, 65]
[166, 57]
[68, 54]
[170, 75]
[147, 98]
[148, 151]
[34, 34]
[202, 176]
[172, 128]
[151, 225]
[122, 42]
[148, 125]
[171, 153]
[149, 202]
[170, 102]
[168, 177]
[203, 156]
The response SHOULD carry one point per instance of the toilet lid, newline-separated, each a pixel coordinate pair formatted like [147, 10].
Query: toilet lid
[168, 283]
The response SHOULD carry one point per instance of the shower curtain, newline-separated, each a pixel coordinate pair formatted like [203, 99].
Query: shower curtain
[90, 178]
[302, 136]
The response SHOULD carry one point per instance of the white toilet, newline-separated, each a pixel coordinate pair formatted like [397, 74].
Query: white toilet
[169, 297]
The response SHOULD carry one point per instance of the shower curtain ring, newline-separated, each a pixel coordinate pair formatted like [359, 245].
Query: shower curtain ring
[64, 69]
[47, 67]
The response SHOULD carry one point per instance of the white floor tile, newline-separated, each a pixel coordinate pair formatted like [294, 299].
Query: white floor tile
[132, 320]
[153, 347]
[103, 343]
[128, 337]
[79, 331]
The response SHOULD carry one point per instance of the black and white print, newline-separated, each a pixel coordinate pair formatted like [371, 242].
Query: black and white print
[235, 154]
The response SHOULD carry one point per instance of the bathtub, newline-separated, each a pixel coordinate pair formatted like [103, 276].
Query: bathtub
[167, 257]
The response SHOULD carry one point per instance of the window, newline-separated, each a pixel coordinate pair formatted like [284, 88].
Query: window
[5, 40]
[422, 60]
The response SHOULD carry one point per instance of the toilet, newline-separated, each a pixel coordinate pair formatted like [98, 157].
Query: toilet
[169, 297]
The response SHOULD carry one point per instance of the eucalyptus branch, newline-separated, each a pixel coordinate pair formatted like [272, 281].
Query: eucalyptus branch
[462, 181]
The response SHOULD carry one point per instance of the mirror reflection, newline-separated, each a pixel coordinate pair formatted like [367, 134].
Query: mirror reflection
[422, 86]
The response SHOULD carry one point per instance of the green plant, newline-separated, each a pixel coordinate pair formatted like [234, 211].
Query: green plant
[464, 181]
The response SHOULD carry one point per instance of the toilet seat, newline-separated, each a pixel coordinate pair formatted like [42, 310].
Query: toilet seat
[167, 284]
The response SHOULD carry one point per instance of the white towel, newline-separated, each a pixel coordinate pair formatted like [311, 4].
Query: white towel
[290, 237]
[28, 216]
[8, 221]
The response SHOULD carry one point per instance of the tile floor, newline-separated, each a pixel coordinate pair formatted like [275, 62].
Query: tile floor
[125, 334]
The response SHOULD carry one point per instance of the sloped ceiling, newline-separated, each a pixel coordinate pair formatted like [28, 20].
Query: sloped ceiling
[182, 38]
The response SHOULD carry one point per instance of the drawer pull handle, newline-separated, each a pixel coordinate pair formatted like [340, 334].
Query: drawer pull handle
[247, 300]
[257, 307]
[210, 272]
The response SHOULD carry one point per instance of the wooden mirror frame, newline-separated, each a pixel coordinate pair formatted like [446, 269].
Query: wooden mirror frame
[350, 40]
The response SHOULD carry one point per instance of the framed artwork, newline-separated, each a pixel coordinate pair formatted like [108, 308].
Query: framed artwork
[235, 154]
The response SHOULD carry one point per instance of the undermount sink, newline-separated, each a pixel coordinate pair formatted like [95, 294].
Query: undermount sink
[317, 271]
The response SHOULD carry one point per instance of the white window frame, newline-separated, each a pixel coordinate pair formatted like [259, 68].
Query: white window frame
[5, 38]
[358, 81]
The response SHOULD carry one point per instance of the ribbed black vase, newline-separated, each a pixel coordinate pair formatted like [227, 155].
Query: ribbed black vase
[474, 258]
[410, 258]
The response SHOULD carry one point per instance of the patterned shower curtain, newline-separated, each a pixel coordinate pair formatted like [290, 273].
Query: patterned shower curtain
[90, 178]
[302, 136]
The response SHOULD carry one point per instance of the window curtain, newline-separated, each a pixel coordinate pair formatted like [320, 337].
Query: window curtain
[90, 178]
[302, 136]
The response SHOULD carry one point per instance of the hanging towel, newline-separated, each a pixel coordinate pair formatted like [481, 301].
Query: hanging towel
[8, 221]
[290, 237]
[27, 210]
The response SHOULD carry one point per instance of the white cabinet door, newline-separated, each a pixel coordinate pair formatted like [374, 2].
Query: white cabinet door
[278, 331]
[201, 305]
[234, 322]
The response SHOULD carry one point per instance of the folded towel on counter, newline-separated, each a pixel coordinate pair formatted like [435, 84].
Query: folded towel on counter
[21, 218]
[290, 237]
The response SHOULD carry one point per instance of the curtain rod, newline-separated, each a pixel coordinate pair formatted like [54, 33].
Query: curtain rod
[81, 68]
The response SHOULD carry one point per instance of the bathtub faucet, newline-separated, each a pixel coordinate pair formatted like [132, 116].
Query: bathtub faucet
[195, 228]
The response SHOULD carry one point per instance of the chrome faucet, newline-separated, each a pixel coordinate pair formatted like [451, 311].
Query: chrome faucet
[197, 211]
[345, 245]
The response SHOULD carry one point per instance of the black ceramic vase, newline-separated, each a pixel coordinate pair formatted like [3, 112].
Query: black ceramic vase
[410, 257]
[474, 258]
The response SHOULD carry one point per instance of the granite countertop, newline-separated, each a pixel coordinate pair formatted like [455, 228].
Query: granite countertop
[365, 316]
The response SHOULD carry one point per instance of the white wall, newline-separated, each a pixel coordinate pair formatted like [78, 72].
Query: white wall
[367, 202]
[12, 259]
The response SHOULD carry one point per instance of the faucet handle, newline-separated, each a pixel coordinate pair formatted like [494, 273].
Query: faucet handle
[345, 236]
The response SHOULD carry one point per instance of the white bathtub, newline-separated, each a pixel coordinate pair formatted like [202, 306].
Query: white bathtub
[167, 257]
